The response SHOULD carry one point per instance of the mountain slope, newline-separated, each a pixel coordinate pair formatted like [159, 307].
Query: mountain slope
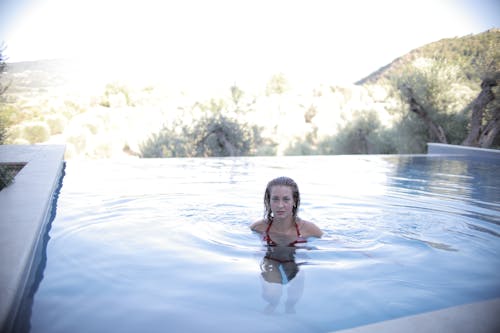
[471, 53]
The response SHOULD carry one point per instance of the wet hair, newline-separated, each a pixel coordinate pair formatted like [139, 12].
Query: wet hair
[281, 181]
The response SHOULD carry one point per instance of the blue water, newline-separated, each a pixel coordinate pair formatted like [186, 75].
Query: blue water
[164, 245]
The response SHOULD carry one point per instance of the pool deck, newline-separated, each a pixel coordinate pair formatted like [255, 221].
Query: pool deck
[26, 204]
[24, 209]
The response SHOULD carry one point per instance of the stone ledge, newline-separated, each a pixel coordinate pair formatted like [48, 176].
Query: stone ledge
[25, 205]
[480, 317]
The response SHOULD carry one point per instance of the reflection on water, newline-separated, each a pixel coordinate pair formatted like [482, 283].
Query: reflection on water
[279, 269]
[165, 245]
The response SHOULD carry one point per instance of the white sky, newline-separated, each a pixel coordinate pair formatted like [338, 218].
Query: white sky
[310, 40]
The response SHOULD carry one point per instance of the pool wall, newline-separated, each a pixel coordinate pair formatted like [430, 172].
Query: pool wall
[25, 209]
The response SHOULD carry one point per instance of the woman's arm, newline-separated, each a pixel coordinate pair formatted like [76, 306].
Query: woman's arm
[258, 226]
[309, 229]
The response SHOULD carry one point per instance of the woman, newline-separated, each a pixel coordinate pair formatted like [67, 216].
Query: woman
[282, 229]
[281, 201]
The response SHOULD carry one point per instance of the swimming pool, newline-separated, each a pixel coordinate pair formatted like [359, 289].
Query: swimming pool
[159, 245]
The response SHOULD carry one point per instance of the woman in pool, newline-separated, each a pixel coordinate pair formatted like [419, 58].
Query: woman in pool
[281, 225]
[282, 229]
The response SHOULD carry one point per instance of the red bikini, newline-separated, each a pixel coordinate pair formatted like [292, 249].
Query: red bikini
[270, 242]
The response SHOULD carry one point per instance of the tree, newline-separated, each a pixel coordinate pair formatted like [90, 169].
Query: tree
[218, 131]
[364, 134]
[435, 130]
[439, 85]
[484, 124]
[437, 93]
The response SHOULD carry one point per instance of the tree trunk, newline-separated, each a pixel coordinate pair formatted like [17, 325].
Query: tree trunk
[479, 135]
[490, 131]
[224, 142]
[435, 130]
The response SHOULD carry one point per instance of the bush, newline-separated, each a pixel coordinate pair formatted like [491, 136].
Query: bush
[116, 95]
[3, 131]
[299, 148]
[78, 137]
[363, 135]
[56, 123]
[169, 142]
[7, 173]
[8, 115]
[36, 132]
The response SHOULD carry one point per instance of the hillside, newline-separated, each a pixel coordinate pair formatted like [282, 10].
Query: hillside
[465, 52]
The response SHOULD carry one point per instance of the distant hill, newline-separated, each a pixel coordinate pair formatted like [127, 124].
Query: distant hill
[462, 51]
[37, 74]
[45, 75]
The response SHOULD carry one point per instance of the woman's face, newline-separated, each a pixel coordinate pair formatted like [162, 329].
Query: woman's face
[281, 202]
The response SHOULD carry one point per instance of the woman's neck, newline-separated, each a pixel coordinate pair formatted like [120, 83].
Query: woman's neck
[284, 225]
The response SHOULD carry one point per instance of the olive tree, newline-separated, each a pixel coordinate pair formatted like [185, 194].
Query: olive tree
[435, 93]
[218, 131]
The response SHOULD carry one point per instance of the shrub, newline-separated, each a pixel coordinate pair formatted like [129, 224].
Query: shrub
[56, 123]
[78, 137]
[7, 173]
[36, 132]
[116, 95]
[3, 131]
[363, 135]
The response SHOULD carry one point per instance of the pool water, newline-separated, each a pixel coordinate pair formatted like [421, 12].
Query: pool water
[163, 245]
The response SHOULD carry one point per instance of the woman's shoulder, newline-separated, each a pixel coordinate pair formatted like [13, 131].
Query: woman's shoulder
[259, 226]
[309, 229]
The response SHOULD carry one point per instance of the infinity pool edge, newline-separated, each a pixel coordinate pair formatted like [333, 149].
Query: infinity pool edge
[25, 206]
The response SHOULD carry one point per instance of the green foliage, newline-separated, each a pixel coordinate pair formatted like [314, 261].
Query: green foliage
[116, 94]
[475, 56]
[212, 135]
[36, 132]
[56, 123]
[410, 135]
[77, 138]
[222, 136]
[278, 84]
[3, 131]
[171, 141]
[3, 117]
[444, 78]
[441, 89]
[435, 84]
[4, 124]
[218, 131]
[7, 173]
[363, 135]
[301, 147]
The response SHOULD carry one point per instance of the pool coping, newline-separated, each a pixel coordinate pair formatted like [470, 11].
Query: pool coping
[25, 206]
[479, 317]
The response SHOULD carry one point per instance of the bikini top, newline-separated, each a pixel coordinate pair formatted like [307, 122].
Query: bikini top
[270, 242]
